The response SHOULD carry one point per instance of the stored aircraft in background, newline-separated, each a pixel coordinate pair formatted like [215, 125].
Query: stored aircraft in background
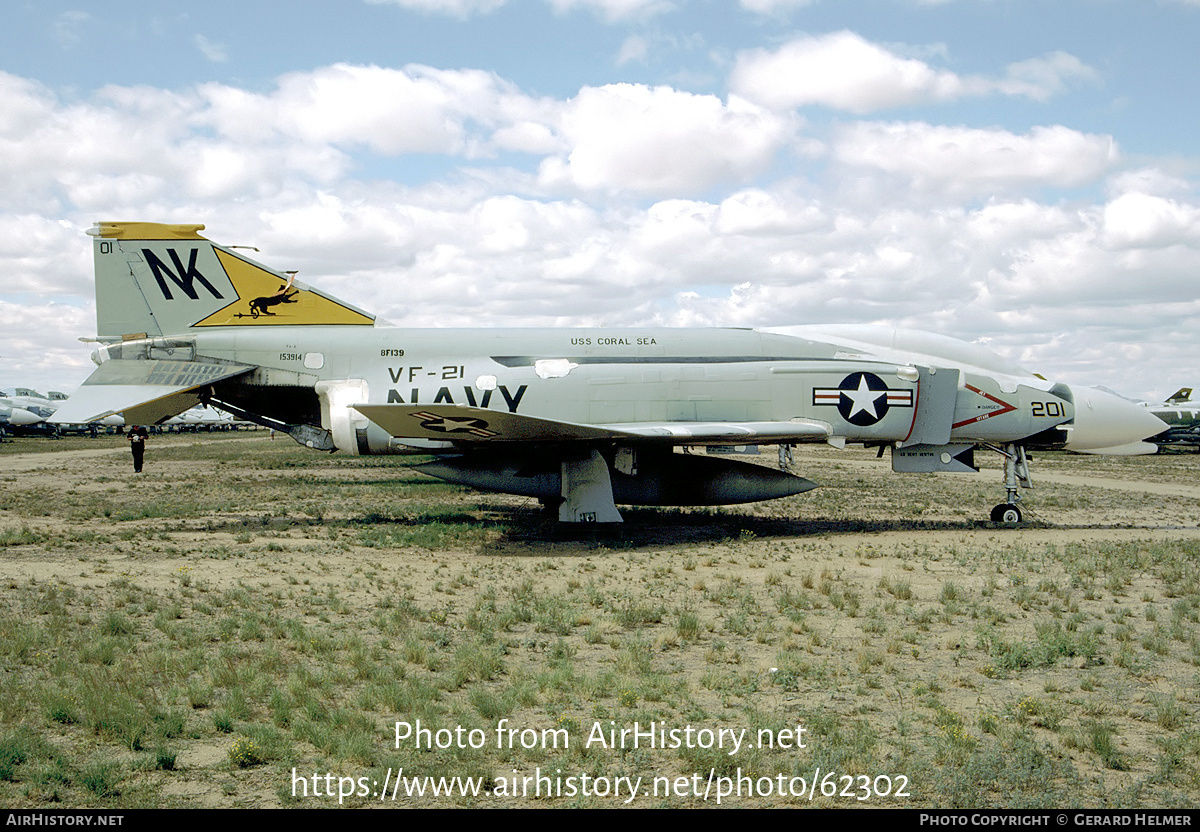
[202, 418]
[14, 417]
[581, 419]
[34, 402]
[1181, 413]
[30, 411]
[24, 410]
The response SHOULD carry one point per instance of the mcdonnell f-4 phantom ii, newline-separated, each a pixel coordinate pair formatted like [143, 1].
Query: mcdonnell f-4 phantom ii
[581, 419]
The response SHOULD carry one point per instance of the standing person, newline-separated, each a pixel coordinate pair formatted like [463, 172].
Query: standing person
[137, 443]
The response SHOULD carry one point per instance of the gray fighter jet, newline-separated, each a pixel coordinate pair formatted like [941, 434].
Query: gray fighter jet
[581, 419]
[1181, 414]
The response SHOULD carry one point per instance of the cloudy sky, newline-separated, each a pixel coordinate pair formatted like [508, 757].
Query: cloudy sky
[1022, 174]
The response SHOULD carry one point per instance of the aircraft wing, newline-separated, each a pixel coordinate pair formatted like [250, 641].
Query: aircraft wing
[462, 423]
[146, 391]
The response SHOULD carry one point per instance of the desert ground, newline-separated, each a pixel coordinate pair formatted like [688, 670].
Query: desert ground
[251, 624]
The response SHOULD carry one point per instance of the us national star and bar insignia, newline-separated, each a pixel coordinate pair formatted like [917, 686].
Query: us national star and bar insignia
[863, 398]
[448, 424]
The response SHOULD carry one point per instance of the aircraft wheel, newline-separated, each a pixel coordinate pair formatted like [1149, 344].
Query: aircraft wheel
[1006, 513]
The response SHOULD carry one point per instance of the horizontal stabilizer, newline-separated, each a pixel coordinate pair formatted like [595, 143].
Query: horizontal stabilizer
[146, 391]
[477, 424]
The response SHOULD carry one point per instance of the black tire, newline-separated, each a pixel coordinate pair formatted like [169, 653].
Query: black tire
[1006, 513]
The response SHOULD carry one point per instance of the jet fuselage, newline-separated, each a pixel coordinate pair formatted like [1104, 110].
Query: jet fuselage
[614, 377]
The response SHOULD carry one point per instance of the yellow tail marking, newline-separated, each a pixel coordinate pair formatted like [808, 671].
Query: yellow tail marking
[258, 301]
[147, 231]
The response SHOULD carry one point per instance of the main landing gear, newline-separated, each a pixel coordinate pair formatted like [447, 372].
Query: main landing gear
[1016, 475]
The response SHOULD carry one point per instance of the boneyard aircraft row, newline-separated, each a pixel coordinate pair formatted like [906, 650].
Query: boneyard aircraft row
[581, 419]
[25, 409]
[14, 415]
[1181, 414]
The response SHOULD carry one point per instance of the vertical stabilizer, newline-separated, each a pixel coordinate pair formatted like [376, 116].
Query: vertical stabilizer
[155, 280]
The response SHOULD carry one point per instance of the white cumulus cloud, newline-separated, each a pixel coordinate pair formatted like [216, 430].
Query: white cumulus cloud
[844, 71]
[658, 140]
[1138, 220]
[971, 160]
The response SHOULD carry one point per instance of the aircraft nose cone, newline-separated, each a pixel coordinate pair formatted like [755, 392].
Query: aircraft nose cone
[20, 416]
[1108, 424]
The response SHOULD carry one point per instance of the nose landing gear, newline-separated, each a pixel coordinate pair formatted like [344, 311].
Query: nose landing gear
[1016, 475]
